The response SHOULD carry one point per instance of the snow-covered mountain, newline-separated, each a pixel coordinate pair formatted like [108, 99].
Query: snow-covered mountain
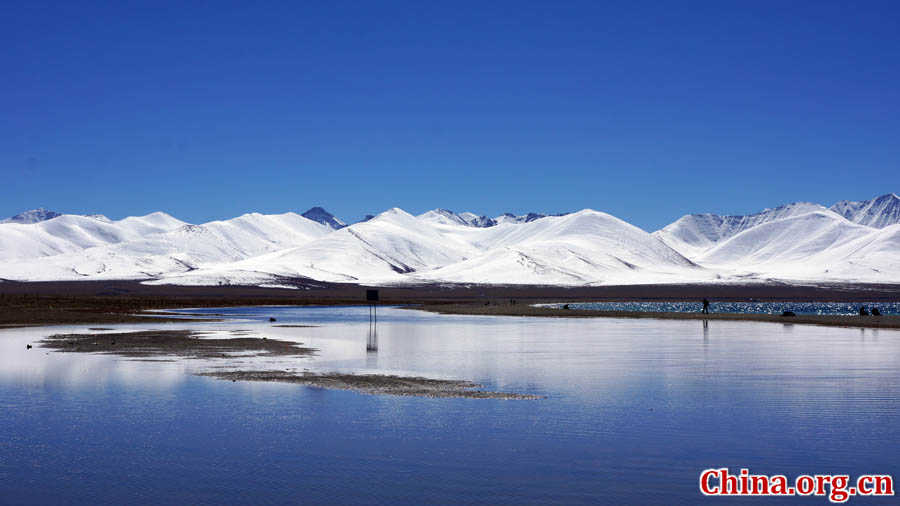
[385, 249]
[694, 234]
[160, 252]
[795, 242]
[69, 233]
[32, 216]
[319, 215]
[522, 218]
[587, 247]
[820, 245]
[879, 212]
[394, 247]
[449, 217]
[480, 221]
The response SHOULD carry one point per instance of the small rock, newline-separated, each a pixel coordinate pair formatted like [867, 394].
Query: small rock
[27, 346]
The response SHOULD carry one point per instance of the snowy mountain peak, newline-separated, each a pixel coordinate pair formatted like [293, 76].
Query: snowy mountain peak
[478, 221]
[879, 212]
[33, 216]
[442, 216]
[523, 218]
[392, 215]
[513, 218]
[447, 217]
[694, 234]
[800, 241]
[320, 215]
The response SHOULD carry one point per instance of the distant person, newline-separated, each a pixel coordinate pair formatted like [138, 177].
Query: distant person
[876, 312]
[863, 311]
[705, 306]
[566, 306]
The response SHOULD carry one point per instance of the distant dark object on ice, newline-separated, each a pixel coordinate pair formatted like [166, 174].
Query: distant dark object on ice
[27, 346]
[788, 313]
[272, 320]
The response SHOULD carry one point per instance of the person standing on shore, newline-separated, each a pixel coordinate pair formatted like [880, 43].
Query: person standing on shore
[705, 306]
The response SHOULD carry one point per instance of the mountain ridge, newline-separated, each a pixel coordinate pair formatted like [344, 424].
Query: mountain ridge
[802, 242]
[32, 216]
[878, 212]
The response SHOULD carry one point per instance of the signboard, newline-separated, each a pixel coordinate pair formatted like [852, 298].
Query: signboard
[372, 295]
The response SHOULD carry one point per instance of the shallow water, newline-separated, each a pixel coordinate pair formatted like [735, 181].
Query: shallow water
[634, 411]
[809, 308]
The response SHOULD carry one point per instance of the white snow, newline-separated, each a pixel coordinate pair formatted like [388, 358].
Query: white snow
[156, 254]
[797, 242]
[694, 234]
[445, 217]
[32, 216]
[70, 233]
[381, 250]
[587, 247]
[879, 212]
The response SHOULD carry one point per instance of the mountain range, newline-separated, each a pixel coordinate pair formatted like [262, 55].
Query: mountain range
[849, 242]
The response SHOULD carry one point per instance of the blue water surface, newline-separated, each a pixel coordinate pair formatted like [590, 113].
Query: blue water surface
[634, 411]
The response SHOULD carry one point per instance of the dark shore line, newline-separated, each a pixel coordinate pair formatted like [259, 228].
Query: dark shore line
[875, 322]
[116, 302]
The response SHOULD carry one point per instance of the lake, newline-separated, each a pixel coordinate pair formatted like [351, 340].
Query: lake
[633, 411]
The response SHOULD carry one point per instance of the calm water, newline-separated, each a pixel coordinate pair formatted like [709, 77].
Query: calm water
[835, 308]
[635, 409]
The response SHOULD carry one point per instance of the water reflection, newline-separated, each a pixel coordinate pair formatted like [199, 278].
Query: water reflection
[636, 402]
[372, 339]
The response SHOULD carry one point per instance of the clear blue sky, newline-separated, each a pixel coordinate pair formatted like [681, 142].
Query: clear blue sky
[645, 110]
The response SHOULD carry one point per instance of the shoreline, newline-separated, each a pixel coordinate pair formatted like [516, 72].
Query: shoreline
[122, 302]
[848, 321]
